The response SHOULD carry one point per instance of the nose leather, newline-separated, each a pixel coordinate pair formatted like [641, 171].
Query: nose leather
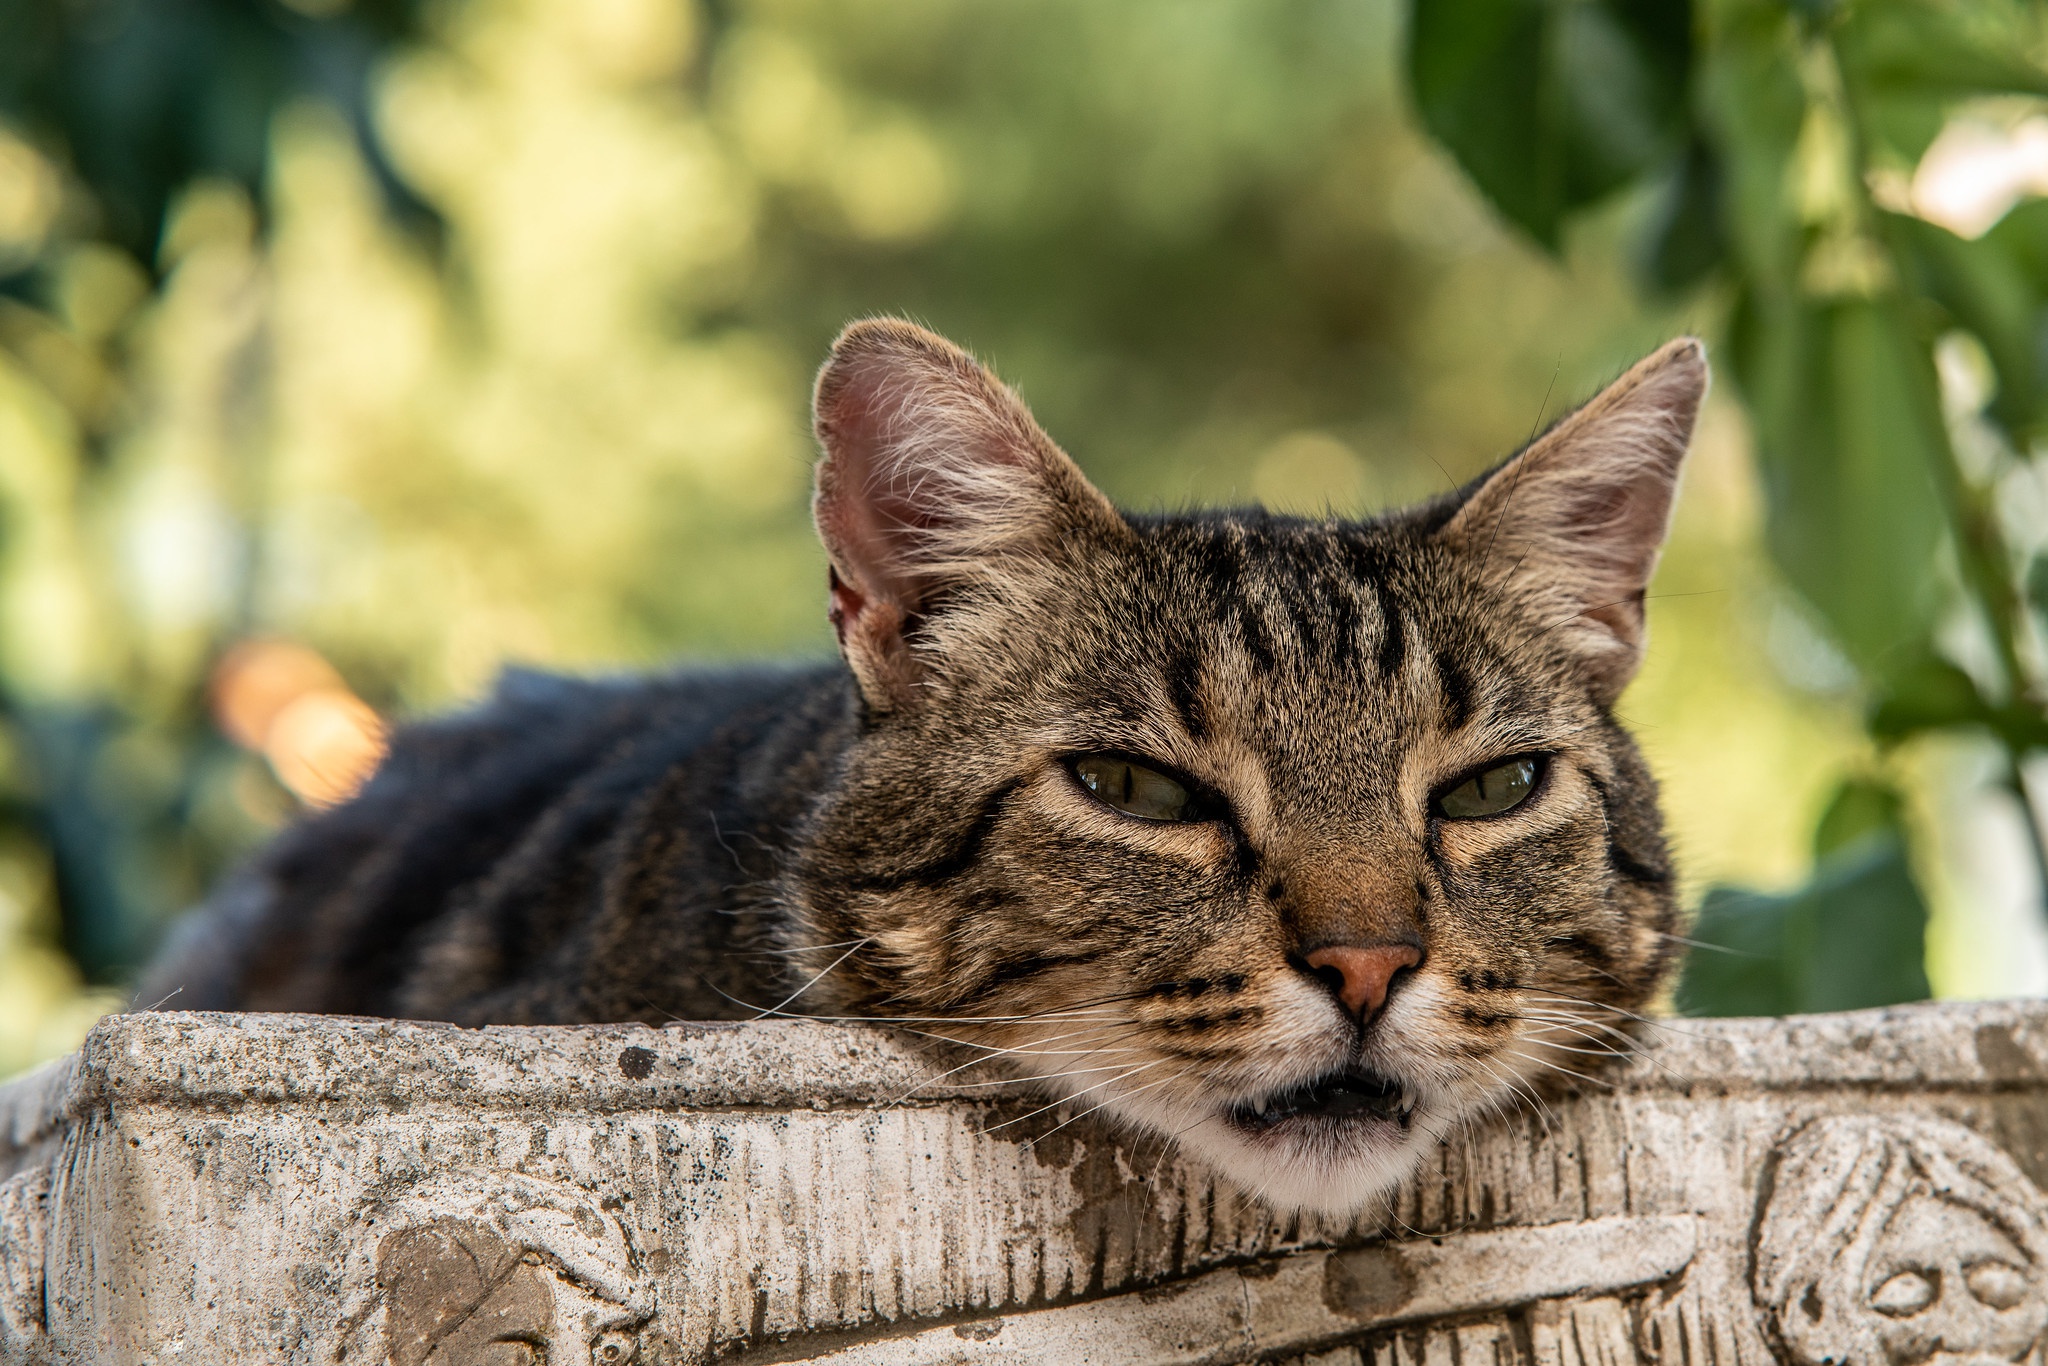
[1363, 975]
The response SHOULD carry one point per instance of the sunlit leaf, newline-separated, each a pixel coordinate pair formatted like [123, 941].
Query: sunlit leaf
[1985, 288]
[1906, 61]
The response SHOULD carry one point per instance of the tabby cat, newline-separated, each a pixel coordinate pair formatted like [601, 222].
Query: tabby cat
[1296, 839]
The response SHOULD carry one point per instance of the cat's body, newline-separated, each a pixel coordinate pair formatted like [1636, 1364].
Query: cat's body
[569, 852]
[1299, 840]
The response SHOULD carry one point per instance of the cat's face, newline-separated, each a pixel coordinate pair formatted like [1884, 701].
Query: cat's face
[1296, 841]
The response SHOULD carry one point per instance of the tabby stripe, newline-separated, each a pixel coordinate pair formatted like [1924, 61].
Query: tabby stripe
[1257, 643]
[1221, 563]
[1183, 689]
[964, 854]
[1580, 947]
[1625, 864]
[1013, 970]
[1344, 618]
[1300, 597]
[1393, 631]
[1456, 686]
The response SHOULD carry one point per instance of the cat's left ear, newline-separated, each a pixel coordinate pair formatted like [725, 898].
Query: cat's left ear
[1573, 524]
[934, 478]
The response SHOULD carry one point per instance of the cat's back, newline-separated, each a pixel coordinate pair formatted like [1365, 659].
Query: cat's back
[470, 876]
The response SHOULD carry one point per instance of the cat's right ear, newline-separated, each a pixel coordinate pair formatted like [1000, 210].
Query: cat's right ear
[934, 476]
[1572, 525]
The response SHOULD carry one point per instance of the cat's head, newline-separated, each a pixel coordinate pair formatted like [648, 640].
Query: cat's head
[1298, 840]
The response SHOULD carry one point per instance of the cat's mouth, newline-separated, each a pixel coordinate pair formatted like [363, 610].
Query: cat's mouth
[1348, 1097]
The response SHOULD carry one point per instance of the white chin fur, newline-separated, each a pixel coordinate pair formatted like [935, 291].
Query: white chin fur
[1330, 1174]
[1312, 1173]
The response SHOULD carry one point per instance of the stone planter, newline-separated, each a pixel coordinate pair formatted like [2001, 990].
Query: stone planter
[202, 1188]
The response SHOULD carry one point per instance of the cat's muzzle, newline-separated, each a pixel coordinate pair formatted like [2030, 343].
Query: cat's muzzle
[1346, 1097]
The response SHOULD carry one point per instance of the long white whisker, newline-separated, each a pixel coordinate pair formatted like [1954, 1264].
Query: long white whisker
[1039, 1046]
[1559, 1068]
[1132, 1072]
[1161, 1081]
[830, 968]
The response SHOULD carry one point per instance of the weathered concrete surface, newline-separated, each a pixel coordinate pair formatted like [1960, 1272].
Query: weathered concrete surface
[199, 1188]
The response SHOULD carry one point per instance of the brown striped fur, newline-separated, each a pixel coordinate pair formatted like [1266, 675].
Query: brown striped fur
[905, 837]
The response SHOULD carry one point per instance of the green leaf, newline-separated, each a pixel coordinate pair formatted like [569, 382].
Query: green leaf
[1551, 104]
[1854, 936]
[1686, 241]
[2022, 236]
[1987, 288]
[1924, 692]
[1933, 48]
[2037, 586]
[1860, 807]
[1905, 62]
[1851, 445]
[1735, 966]
[1752, 106]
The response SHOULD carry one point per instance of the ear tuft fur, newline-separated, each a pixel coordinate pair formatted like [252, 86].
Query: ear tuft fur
[934, 475]
[1573, 524]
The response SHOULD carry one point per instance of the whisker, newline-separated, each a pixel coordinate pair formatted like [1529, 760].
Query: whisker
[1047, 1076]
[992, 1052]
[829, 969]
[1559, 1068]
[989, 1050]
[1654, 1022]
[1142, 1067]
[1703, 944]
[1632, 1047]
[1176, 1076]
[795, 949]
[1519, 1088]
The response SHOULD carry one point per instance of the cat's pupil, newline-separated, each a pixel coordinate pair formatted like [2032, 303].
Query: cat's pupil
[1134, 789]
[1500, 788]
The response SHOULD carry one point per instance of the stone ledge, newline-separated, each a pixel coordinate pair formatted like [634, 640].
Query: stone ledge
[289, 1188]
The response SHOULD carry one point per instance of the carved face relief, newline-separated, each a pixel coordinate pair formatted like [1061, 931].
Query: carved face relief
[1901, 1241]
[455, 1294]
[1950, 1289]
[501, 1269]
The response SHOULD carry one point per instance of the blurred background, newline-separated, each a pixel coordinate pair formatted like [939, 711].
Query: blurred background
[352, 350]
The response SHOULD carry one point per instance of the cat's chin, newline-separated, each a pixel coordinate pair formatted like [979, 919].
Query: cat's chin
[1333, 1145]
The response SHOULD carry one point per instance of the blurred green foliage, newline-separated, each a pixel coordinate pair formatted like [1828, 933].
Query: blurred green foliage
[442, 336]
[1853, 936]
[1786, 169]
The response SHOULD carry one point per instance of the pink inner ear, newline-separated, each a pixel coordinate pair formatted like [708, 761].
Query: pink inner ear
[862, 512]
[919, 444]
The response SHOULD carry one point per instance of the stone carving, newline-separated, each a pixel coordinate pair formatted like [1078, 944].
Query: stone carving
[501, 1269]
[300, 1189]
[1897, 1240]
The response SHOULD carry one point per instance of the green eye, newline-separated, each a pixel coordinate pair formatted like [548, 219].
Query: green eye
[1135, 789]
[1500, 788]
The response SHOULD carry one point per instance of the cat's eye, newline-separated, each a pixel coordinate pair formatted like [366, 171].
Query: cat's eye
[1134, 789]
[1492, 791]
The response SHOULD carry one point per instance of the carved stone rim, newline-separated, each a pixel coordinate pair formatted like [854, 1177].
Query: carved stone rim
[201, 1059]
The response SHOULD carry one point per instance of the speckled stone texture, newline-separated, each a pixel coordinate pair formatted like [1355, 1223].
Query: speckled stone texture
[223, 1188]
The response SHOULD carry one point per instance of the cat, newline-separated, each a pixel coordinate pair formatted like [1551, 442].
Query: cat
[1299, 840]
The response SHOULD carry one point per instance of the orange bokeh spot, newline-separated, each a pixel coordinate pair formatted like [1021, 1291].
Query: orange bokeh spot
[288, 704]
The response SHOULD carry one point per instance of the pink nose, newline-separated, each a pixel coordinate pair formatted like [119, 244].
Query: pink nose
[1361, 977]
